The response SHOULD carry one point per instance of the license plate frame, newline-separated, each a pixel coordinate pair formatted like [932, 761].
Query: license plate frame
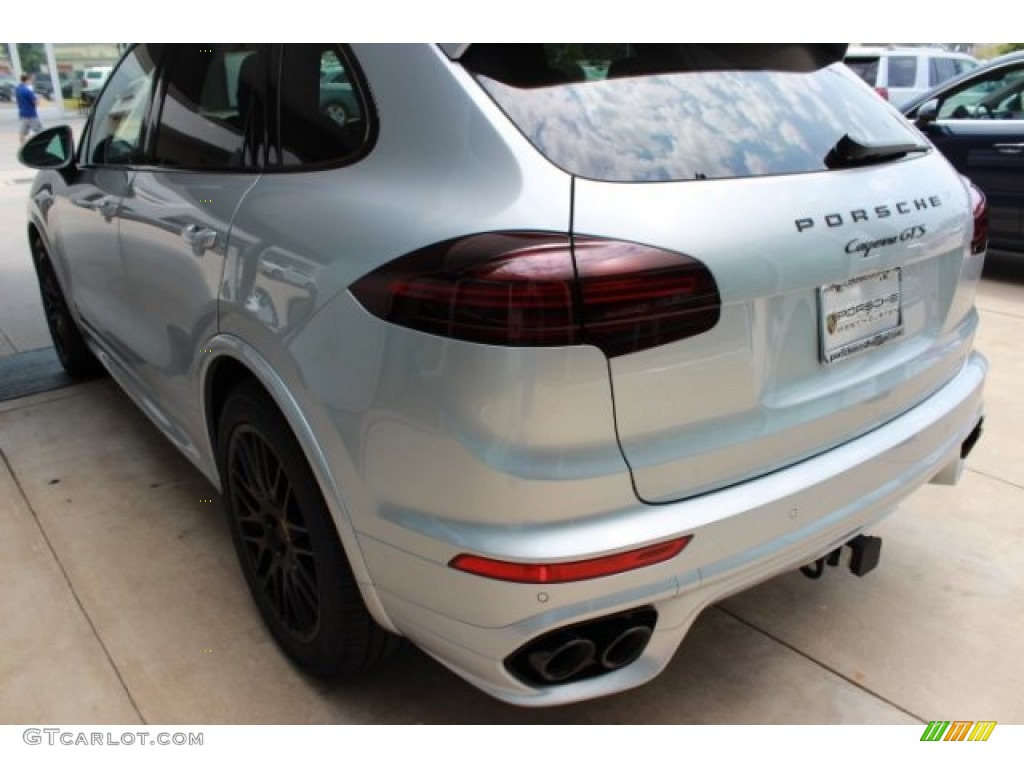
[860, 314]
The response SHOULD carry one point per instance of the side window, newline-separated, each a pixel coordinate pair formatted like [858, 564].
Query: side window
[998, 96]
[213, 112]
[902, 71]
[118, 121]
[941, 70]
[323, 112]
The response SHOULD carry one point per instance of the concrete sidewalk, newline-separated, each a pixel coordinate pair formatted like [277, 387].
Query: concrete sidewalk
[121, 601]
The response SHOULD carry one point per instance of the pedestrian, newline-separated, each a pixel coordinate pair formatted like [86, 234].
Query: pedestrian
[28, 116]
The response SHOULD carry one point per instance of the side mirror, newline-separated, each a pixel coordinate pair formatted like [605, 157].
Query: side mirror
[927, 113]
[52, 149]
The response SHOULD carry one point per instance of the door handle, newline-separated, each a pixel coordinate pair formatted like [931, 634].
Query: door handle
[108, 207]
[1009, 149]
[199, 238]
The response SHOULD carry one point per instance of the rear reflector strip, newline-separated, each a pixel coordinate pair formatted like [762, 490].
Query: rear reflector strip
[578, 570]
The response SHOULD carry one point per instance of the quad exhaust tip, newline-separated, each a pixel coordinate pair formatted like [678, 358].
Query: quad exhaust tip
[584, 650]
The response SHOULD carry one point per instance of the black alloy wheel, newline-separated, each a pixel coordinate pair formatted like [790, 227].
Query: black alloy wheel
[72, 351]
[273, 533]
[287, 545]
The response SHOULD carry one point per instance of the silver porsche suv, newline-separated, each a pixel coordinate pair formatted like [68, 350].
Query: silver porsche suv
[525, 353]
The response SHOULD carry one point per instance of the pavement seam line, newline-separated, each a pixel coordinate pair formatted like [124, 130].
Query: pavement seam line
[1003, 480]
[1004, 312]
[71, 587]
[53, 396]
[1001, 313]
[817, 663]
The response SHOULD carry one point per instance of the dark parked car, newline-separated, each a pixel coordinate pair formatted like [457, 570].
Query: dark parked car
[7, 86]
[977, 121]
[43, 87]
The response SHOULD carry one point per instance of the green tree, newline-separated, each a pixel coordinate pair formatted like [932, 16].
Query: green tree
[1010, 47]
[33, 57]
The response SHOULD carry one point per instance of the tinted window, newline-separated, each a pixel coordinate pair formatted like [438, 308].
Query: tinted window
[213, 111]
[902, 71]
[941, 70]
[673, 112]
[118, 120]
[323, 116]
[997, 95]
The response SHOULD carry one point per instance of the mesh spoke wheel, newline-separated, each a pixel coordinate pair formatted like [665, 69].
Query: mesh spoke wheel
[274, 533]
[287, 544]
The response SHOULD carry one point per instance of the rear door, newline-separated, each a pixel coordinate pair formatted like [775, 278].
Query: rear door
[906, 76]
[177, 214]
[837, 277]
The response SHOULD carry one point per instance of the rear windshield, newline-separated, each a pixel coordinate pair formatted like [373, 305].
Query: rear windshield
[669, 112]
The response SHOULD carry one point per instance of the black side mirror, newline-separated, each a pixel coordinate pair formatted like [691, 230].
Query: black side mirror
[52, 149]
[927, 113]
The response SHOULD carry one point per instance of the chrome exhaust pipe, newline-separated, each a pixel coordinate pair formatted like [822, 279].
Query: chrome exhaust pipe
[563, 661]
[626, 648]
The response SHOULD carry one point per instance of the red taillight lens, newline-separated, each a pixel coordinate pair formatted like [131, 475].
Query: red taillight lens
[979, 207]
[882, 91]
[578, 570]
[527, 289]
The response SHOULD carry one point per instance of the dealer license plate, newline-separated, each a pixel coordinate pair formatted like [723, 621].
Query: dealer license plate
[860, 314]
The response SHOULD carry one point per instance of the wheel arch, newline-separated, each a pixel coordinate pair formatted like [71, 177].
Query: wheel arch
[229, 361]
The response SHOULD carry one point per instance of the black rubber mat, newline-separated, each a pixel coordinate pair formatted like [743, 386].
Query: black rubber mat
[28, 373]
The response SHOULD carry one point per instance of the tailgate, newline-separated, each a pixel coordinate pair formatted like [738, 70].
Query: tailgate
[838, 314]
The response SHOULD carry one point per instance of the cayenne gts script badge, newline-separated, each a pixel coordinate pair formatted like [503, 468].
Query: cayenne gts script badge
[865, 247]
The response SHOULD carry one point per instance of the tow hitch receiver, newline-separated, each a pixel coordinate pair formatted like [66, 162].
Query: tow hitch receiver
[865, 552]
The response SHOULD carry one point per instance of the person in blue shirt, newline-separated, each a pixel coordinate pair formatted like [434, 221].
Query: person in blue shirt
[28, 116]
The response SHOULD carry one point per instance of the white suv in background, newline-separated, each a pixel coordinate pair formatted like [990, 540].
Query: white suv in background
[93, 80]
[902, 74]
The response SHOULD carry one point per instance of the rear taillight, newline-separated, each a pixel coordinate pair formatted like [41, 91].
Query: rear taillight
[882, 91]
[979, 208]
[543, 290]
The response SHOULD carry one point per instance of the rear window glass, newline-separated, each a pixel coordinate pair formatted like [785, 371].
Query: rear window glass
[668, 112]
[940, 71]
[902, 71]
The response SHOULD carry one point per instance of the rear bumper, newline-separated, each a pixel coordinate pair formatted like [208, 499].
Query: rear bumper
[743, 535]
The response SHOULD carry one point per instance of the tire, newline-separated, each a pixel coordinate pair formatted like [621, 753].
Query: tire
[288, 547]
[74, 354]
